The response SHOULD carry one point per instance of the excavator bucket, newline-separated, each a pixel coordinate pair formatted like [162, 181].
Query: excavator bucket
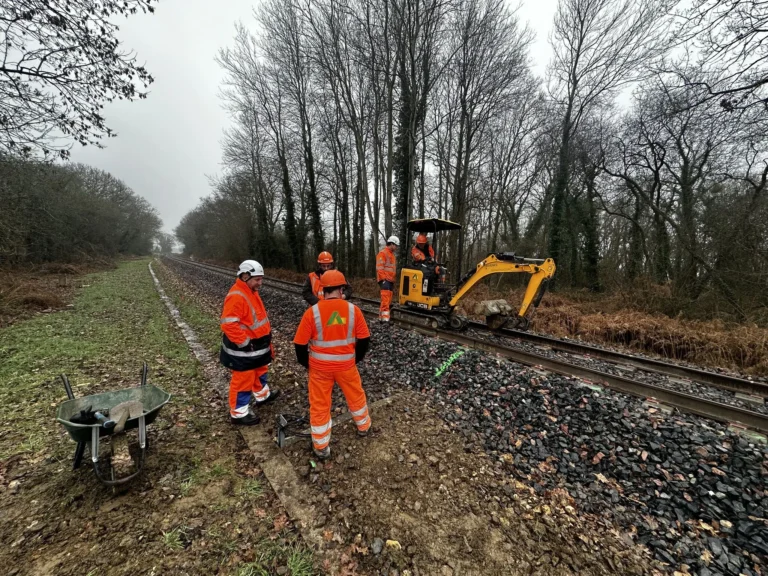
[496, 312]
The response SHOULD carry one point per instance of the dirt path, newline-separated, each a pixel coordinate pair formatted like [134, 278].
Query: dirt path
[203, 505]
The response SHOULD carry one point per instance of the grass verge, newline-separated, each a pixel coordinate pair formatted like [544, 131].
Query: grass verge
[200, 479]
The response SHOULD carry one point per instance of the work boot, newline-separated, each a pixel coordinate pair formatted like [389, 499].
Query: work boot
[248, 420]
[372, 431]
[273, 395]
[323, 454]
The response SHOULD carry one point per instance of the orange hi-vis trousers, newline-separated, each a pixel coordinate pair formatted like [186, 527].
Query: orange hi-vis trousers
[243, 385]
[386, 300]
[320, 389]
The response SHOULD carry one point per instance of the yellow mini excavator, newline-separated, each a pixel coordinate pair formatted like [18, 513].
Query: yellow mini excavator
[422, 285]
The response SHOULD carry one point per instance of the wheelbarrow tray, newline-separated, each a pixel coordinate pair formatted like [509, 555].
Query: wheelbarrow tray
[151, 397]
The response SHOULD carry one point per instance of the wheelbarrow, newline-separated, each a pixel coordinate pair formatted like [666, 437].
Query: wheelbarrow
[152, 399]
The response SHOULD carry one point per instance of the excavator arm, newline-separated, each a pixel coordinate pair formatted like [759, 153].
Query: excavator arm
[508, 263]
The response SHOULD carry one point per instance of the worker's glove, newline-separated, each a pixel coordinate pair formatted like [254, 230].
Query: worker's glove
[386, 285]
[246, 346]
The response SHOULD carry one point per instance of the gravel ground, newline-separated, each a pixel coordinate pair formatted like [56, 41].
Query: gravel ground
[645, 376]
[689, 489]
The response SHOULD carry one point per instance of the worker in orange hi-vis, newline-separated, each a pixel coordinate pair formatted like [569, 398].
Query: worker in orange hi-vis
[312, 291]
[422, 252]
[386, 266]
[246, 347]
[331, 339]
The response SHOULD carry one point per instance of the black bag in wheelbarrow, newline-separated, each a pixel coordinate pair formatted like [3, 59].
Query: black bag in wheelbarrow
[92, 416]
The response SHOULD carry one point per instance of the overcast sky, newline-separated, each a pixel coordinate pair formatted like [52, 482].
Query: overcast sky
[168, 144]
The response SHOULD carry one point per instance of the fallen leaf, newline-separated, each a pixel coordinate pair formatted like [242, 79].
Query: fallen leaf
[394, 544]
[280, 522]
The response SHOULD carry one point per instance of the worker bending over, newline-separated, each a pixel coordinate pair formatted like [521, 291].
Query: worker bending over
[331, 339]
[312, 290]
[422, 252]
[423, 256]
[386, 266]
[246, 347]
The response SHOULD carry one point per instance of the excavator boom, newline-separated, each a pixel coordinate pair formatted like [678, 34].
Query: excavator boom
[508, 263]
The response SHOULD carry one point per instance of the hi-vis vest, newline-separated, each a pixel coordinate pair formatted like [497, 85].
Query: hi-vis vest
[331, 328]
[317, 289]
[385, 265]
[247, 334]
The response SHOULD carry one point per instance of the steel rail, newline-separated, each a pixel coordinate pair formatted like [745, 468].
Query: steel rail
[722, 381]
[680, 400]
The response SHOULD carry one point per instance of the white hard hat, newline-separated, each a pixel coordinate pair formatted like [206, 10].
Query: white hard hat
[393, 240]
[252, 267]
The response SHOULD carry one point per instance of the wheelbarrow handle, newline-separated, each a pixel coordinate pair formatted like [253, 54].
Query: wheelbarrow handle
[67, 387]
[144, 372]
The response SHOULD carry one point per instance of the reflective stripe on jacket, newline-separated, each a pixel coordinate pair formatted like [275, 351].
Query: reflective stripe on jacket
[247, 334]
[331, 328]
[386, 265]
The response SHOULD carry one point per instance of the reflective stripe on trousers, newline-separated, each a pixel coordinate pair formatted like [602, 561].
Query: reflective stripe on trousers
[321, 435]
[244, 385]
[361, 418]
[386, 300]
[320, 389]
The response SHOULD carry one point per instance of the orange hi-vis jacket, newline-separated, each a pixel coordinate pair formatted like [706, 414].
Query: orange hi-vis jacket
[247, 334]
[331, 328]
[317, 289]
[419, 256]
[386, 265]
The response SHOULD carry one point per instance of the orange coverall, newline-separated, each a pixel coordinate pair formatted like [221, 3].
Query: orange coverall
[331, 328]
[386, 265]
[246, 347]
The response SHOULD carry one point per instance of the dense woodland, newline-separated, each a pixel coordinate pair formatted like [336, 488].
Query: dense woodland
[72, 213]
[638, 159]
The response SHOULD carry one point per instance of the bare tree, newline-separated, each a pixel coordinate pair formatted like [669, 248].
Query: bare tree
[599, 46]
[248, 78]
[60, 63]
[729, 39]
[488, 52]
[283, 44]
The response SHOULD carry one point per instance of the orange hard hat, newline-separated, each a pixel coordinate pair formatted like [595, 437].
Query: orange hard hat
[421, 239]
[332, 279]
[324, 258]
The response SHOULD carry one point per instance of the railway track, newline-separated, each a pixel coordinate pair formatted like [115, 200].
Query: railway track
[685, 402]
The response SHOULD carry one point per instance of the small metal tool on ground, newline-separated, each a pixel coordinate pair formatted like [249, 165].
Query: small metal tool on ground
[289, 425]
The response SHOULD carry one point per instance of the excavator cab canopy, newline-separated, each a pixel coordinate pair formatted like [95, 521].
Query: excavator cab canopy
[432, 225]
